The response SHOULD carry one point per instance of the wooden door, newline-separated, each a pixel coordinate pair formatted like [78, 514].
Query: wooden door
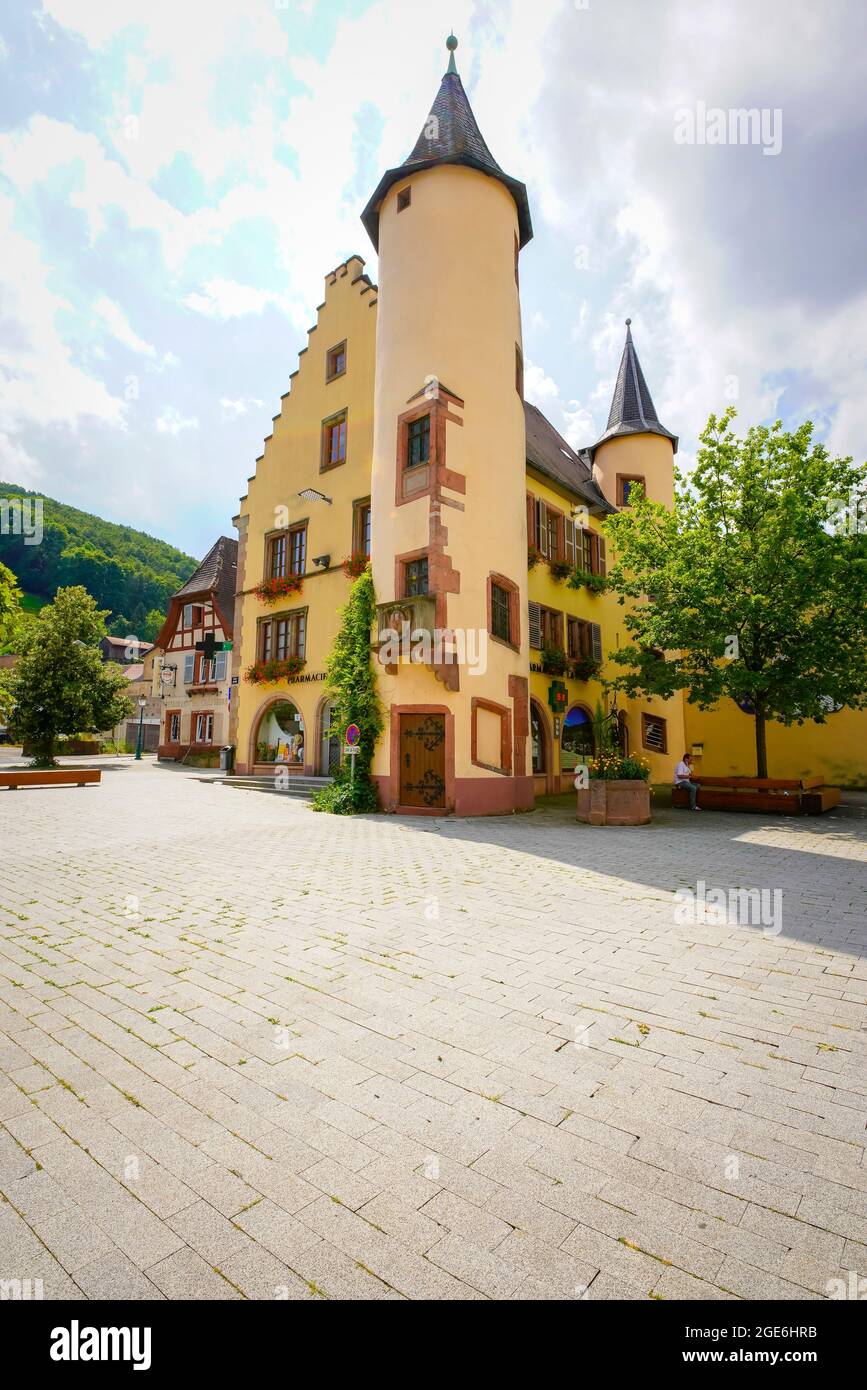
[423, 760]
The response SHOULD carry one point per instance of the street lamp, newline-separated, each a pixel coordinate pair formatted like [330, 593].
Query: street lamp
[141, 709]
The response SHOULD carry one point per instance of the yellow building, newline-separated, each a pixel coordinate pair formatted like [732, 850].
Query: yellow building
[405, 438]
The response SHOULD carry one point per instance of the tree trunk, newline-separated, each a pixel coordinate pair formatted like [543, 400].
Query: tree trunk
[761, 743]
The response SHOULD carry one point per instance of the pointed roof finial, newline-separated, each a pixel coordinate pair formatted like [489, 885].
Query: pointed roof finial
[632, 408]
[451, 45]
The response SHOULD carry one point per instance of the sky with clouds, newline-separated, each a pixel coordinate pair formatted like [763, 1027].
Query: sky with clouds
[178, 176]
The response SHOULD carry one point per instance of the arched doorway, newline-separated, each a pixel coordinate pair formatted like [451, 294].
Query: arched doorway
[577, 743]
[540, 748]
[279, 736]
[329, 741]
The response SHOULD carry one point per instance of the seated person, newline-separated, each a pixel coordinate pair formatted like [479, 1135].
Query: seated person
[683, 778]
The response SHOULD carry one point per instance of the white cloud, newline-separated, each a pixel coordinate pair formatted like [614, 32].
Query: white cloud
[226, 299]
[171, 421]
[120, 327]
[233, 410]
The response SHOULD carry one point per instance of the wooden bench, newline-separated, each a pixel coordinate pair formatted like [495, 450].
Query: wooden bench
[804, 796]
[49, 777]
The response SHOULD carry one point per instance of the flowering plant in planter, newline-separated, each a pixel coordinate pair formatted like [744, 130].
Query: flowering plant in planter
[554, 661]
[270, 591]
[583, 668]
[355, 565]
[617, 767]
[595, 583]
[534, 555]
[272, 672]
[560, 569]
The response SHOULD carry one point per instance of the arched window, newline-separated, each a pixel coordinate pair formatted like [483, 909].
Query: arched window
[576, 744]
[280, 735]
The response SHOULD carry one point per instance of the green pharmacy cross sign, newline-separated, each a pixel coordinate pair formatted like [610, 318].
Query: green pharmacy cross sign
[558, 696]
[211, 646]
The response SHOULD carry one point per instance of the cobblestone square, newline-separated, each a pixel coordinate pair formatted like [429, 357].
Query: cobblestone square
[252, 1052]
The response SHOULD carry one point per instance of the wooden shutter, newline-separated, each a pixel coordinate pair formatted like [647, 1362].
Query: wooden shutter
[596, 641]
[601, 554]
[531, 521]
[535, 627]
[587, 551]
[189, 667]
[569, 541]
[220, 666]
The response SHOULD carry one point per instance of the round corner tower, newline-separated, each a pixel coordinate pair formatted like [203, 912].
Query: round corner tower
[448, 490]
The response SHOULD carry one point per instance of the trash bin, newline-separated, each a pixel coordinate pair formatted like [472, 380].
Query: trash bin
[227, 759]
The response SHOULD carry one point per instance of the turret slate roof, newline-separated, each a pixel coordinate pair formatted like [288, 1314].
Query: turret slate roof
[455, 139]
[632, 409]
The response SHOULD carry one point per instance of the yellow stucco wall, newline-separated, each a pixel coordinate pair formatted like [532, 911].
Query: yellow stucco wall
[607, 612]
[290, 463]
[646, 455]
[836, 750]
[450, 309]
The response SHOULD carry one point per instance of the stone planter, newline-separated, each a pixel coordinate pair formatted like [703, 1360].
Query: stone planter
[615, 803]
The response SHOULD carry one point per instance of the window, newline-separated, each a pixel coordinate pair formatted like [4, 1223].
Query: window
[552, 628]
[552, 521]
[192, 615]
[334, 441]
[654, 733]
[546, 627]
[204, 728]
[415, 578]
[519, 371]
[173, 726]
[501, 625]
[584, 640]
[335, 362]
[418, 442]
[280, 638]
[625, 484]
[297, 549]
[221, 662]
[361, 528]
[189, 667]
[590, 548]
[504, 623]
[404, 198]
[277, 557]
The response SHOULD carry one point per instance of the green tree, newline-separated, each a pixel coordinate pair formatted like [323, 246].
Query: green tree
[351, 684]
[754, 587]
[10, 608]
[149, 629]
[60, 684]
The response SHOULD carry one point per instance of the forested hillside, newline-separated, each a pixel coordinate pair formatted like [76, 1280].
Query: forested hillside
[128, 572]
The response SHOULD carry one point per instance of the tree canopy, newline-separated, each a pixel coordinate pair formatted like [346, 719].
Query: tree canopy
[60, 684]
[754, 587]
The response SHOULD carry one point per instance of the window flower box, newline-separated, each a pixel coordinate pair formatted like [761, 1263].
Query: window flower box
[355, 565]
[583, 668]
[271, 591]
[554, 661]
[534, 555]
[560, 569]
[273, 672]
[593, 583]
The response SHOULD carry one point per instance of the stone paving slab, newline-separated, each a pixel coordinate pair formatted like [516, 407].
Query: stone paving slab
[250, 1052]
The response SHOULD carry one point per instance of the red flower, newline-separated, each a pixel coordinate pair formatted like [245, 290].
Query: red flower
[270, 591]
[272, 672]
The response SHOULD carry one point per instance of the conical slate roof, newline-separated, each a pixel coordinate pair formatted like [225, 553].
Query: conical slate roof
[450, 136]
[632, 408]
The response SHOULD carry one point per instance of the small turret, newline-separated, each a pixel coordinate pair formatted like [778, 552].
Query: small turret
[635, 447]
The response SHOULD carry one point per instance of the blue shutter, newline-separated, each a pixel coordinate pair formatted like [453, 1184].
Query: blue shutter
[189, 666]
[220, 666]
